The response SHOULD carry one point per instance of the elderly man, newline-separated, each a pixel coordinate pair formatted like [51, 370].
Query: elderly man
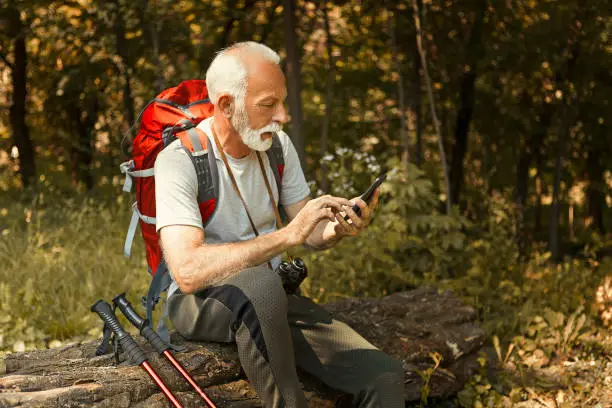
[223, 288]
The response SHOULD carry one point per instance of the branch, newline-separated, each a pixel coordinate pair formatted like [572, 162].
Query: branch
[6, 61]
[434, 115]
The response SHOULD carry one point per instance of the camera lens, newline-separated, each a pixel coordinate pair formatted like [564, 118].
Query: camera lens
[285, 266]
[299, 263]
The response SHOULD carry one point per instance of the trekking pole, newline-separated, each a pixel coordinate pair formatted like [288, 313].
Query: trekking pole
[131, 348]
[162, 348]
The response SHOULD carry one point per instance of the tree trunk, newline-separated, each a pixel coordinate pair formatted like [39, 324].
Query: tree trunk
[596, 198]
[531, 147]
[17, 111]
[418, 119]
[566, 123]
[148, 25]
[409, 326]
[84, 118]
[293, 79]
[432, 102]
[540, 191]
[403, 134]
[331, 77]
[125, 67]
[467, 99]
[553, 240]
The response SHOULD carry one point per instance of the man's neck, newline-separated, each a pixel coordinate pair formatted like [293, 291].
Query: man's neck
[229, 139]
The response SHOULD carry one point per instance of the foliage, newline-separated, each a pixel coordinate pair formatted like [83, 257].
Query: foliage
[407, 243]
[426, 376]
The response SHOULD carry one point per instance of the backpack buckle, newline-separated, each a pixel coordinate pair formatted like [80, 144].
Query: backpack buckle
[154, 301]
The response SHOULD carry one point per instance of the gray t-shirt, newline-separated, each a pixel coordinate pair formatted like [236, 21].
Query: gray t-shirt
[176, 191]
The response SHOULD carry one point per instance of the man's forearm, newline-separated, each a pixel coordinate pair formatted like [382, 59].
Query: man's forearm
[211, 263]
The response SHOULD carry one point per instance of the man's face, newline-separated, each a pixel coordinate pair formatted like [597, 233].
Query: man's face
[263, 112]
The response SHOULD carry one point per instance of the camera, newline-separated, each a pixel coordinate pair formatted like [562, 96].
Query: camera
[292, 274]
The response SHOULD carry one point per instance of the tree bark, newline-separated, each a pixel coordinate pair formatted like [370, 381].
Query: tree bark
[17, 111]
[293, 79]
[467, 99]
[331, 77]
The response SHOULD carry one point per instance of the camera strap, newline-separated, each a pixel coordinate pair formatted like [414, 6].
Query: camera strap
[231, 175]
[279, 221]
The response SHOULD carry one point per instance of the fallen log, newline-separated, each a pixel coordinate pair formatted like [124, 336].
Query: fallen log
[411, 326]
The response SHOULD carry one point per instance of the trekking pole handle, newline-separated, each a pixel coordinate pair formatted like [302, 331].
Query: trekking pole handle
[131, 348]
[126, 308]
[141, 324]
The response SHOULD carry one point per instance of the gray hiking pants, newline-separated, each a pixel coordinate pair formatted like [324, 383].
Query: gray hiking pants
[275, 333]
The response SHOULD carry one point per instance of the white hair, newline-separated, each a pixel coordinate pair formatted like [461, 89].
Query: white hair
[227, 72]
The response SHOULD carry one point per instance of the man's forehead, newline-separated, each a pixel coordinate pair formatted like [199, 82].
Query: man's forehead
[265, 79]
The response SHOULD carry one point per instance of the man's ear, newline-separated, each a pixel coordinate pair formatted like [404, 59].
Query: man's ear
[226, 105]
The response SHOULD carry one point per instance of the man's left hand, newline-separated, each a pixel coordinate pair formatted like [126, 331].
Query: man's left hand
[355, 224]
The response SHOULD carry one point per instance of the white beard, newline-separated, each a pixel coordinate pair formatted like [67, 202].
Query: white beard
[252, 137]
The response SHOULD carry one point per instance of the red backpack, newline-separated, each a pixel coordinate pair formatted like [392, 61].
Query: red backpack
[173, 114]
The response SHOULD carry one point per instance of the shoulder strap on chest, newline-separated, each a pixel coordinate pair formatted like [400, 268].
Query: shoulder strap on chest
[196, 144]
[277, 160]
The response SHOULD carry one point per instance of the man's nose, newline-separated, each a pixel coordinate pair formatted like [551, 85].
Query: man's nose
[280, 114]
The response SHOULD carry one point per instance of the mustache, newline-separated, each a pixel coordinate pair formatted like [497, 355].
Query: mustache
[272, 127]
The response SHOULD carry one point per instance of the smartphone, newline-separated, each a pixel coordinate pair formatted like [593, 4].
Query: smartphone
[368, 194]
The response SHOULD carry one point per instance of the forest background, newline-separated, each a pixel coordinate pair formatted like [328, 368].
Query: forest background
[493, 121]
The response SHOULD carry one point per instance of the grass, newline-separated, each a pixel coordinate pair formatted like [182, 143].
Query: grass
[59, 257]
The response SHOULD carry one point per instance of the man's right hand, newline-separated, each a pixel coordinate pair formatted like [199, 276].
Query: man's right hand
[315, 211]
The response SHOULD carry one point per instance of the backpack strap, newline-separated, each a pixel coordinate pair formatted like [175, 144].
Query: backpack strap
[277, 160]
[160, 283]
[129, 238]
[204, 161]
[127, 168]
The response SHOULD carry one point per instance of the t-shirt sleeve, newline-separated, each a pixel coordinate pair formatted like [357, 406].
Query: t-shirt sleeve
[176, 190]
[294, 187]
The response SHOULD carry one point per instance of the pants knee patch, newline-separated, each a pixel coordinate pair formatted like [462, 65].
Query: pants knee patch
[242, 312]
